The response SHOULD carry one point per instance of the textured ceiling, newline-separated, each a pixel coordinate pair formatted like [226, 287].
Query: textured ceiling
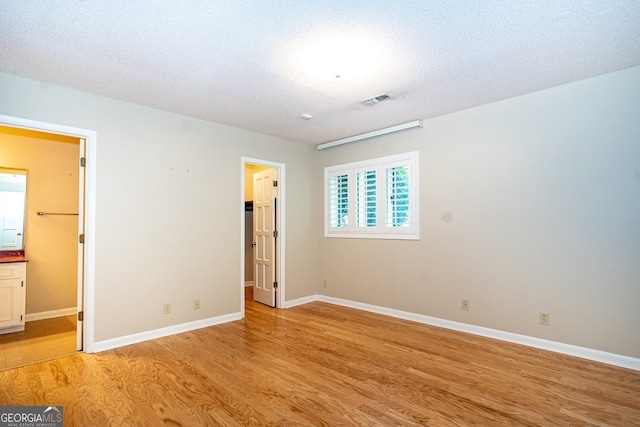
[240, 62]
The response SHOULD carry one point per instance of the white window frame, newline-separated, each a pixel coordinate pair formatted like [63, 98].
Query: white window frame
[380, 230]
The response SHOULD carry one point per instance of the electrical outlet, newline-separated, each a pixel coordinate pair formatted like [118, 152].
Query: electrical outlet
[167, 308]
[196, 304]
[544, 318]
[465, 304]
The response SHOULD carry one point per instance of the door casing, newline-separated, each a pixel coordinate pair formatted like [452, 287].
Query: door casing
[86, 287]
[280, 226]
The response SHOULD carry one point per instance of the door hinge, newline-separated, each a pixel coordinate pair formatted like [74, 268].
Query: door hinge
[275, 233]
[81, 238]
[80, 316]
[21, 317]
[83, 162]
[275, 285]
[275, 183]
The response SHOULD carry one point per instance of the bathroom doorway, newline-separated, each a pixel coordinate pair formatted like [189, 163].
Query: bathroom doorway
[60, 220]
[51, 220]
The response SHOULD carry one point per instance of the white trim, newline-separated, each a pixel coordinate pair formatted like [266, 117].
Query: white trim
[248, 284]
[91, 137]
[554, 346]
[11, 330]
[281, 225]
[302, 301]
[163, 332]
[52, 314]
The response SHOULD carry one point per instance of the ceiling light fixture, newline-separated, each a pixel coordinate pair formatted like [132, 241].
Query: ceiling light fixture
[340, 59]
[372, 134]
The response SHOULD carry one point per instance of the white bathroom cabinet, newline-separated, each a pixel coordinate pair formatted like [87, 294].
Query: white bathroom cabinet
[13, 283]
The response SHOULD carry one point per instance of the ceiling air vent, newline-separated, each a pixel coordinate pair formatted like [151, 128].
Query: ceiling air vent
[375, 100]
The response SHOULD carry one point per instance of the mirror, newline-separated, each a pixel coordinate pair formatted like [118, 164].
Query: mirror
[13, 189]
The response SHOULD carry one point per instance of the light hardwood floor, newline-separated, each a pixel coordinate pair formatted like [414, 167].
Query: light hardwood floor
[324, 365]
[41, 340]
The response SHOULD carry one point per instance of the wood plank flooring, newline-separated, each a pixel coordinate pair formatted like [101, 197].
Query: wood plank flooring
[324, 365]
[40, 341]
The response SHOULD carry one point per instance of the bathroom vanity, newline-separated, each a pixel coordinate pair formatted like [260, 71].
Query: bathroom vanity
[13, 285]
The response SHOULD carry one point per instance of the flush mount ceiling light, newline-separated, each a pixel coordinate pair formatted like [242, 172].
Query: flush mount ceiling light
[372, 134]
[339, 59]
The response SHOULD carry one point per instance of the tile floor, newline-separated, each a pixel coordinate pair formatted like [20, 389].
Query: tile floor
[41, 340]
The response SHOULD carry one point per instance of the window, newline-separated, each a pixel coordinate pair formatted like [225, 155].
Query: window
[375, 198]
[339, 200]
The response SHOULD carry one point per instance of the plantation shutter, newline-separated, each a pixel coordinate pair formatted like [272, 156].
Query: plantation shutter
[339, 200]
[397, 200]
[366, 197]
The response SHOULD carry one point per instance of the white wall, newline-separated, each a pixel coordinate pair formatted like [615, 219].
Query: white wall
[543, 189]
[168, 202]
[544, 194]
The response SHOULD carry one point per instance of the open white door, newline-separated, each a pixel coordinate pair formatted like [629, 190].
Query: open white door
[81, 213]
[264, 236]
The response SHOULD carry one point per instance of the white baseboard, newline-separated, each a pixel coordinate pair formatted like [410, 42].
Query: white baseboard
[301, 301]
[247, 284]
[50, 314]
[12, 329]
[163, 332]
[557, 347]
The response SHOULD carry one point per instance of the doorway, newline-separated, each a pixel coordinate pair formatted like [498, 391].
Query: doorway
[83, 315]
[249, 243]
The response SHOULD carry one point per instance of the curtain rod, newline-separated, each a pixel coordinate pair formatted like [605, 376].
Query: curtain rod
[372, 134]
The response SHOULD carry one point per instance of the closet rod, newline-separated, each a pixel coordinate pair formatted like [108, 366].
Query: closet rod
[55, 213]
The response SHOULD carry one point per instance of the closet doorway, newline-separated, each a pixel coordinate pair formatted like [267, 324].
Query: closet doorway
[263, 232]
